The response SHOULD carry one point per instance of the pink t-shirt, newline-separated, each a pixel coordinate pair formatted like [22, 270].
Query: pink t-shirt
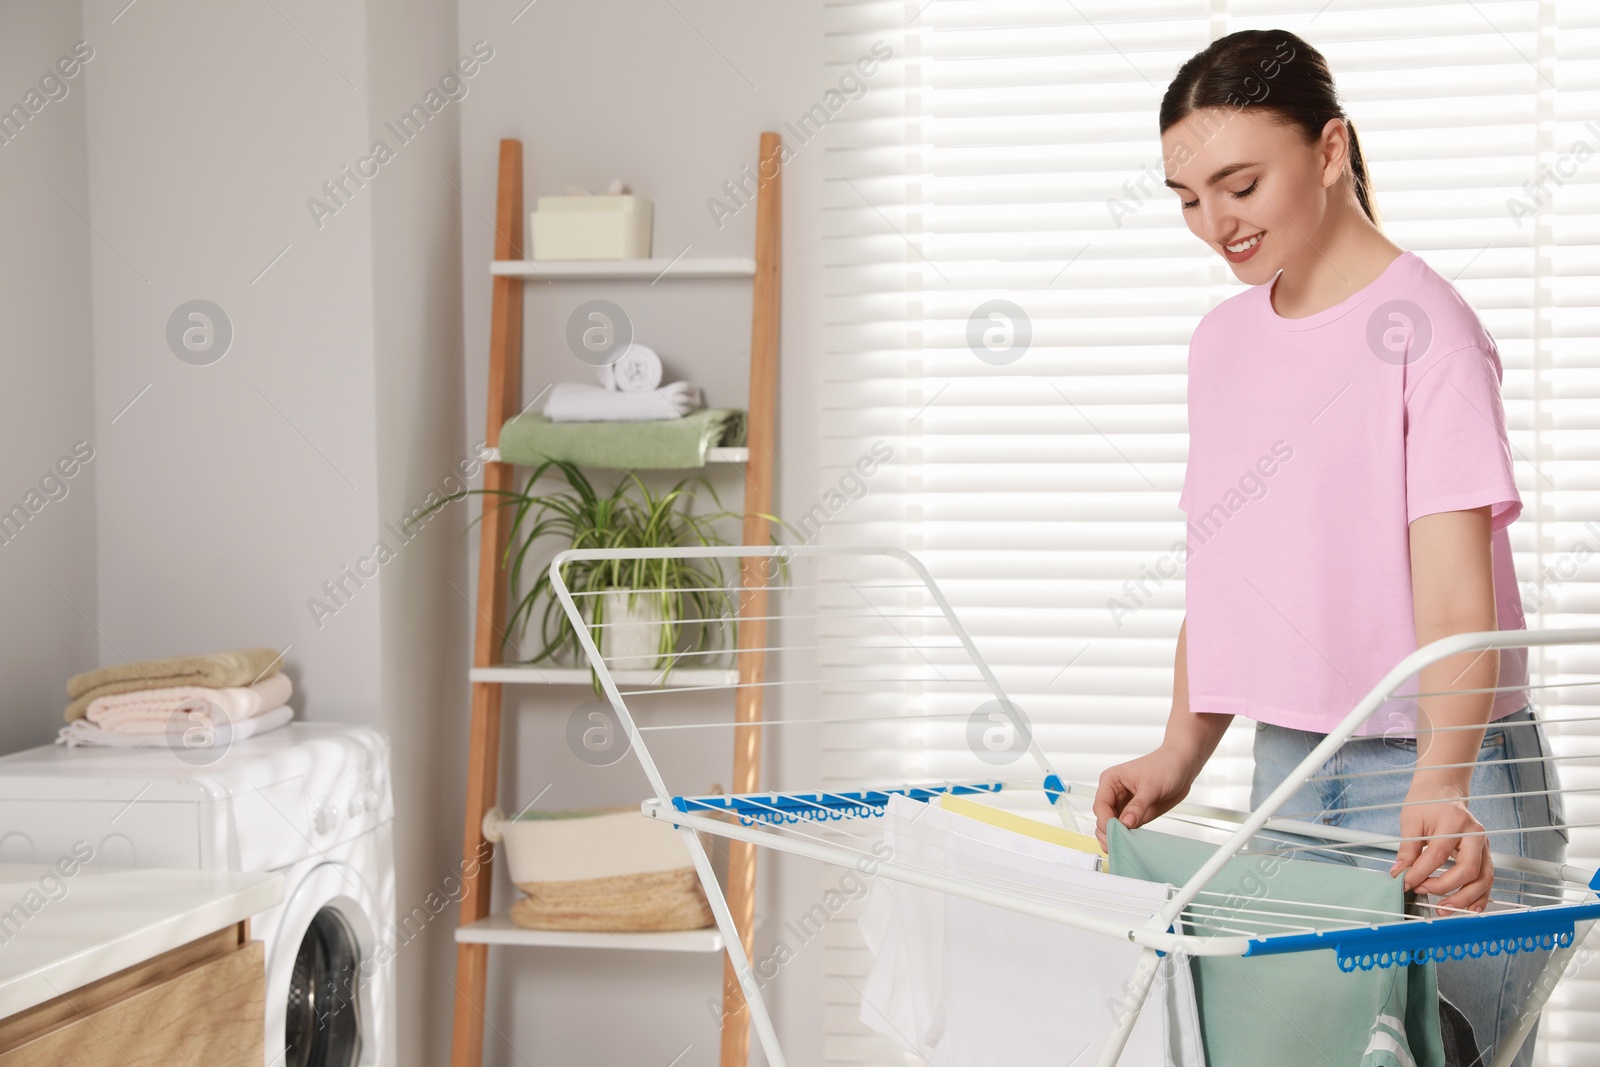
[1313, 444]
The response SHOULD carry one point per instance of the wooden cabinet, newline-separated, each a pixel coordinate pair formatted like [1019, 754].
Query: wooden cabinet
[202, 1003]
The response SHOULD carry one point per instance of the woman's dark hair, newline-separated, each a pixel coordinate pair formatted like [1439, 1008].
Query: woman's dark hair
[1271, 71]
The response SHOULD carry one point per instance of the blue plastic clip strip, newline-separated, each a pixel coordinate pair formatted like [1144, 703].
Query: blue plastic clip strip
[776, 808]
[1418, 941]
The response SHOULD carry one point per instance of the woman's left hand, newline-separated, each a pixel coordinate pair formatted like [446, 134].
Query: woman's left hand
[1436, 824]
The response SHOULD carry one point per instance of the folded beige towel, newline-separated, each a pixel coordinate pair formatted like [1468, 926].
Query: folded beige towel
[148, 711]
[242, 666]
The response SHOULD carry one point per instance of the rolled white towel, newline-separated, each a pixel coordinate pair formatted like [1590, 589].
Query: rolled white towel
[148, 711]
[638, 370]
[198, 731]
[581, 402]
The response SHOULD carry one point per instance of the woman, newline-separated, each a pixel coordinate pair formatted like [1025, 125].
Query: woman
[1348, 489]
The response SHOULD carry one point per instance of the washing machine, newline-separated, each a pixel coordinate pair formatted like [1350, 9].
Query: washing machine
[310, 800]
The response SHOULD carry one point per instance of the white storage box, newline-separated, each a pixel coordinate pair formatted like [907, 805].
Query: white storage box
[591, 227]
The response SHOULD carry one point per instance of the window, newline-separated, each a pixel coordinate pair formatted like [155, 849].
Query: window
[1010, 294]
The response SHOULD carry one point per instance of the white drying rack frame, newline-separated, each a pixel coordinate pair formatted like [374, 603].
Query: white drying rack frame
[775, 820]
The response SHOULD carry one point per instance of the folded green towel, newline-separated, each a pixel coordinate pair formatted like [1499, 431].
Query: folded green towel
[1298, 1007]
[655, 444]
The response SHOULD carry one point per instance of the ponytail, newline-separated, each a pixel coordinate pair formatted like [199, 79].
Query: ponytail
[1358, 168]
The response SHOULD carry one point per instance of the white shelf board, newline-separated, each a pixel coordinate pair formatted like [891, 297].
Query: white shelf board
[624, 269]
[679, 677]
[500, 930]
[713, 455]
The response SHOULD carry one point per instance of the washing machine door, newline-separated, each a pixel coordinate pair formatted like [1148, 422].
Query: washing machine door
[320, 977]
[322, 1008]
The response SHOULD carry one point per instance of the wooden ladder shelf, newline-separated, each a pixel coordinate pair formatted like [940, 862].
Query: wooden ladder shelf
[505, 401]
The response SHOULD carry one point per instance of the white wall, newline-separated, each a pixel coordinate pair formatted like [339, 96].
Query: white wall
[222, 497]
[230, 493]
[671, 98]
[416, 314]
[47, 400]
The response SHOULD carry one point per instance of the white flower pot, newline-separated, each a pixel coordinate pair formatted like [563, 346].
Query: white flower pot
[631, 637]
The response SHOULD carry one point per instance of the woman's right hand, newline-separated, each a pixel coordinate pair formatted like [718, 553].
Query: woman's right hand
[1142, 789]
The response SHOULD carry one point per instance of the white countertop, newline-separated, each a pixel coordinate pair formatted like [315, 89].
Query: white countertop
[58, 933]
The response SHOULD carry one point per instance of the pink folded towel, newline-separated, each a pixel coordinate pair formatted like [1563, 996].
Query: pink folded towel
[148, 711]
[80, 733]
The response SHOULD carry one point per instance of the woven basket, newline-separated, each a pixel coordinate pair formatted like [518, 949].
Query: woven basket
[659, 900]
[600, 870]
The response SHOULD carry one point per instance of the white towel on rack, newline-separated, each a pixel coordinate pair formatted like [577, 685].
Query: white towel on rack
[903, 927]
[961, 983]
[1028, 992]
[638, 370]
[582, 402]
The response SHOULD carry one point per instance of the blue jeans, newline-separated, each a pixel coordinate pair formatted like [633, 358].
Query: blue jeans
[1489, 990]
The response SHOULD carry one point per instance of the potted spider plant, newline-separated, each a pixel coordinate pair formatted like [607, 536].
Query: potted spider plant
[644, 609]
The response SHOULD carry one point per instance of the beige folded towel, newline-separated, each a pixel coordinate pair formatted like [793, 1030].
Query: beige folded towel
[148, 711]
[238, 667]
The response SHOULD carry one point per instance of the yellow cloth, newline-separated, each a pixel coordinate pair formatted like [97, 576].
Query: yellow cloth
[1020, 824]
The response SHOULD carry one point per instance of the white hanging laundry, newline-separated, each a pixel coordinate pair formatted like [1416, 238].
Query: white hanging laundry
[963, 984]
[903, 926]
[1185, 1045]
[1028, 992]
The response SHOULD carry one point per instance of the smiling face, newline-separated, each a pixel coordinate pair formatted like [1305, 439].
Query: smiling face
[1246, 181]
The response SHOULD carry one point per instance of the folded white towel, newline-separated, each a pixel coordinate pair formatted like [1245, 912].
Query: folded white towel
[637, 371]
[147, 711]
[581, 402]
[200, 733]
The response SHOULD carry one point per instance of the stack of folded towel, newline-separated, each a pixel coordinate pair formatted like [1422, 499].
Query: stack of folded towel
[630, 390]
[630, 421]
[206, 700]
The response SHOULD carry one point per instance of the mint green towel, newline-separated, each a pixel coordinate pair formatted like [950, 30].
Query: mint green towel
[1299, 1007]
[655, 444]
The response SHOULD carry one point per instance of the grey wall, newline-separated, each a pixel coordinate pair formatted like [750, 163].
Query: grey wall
[47, 396]
[671, 98]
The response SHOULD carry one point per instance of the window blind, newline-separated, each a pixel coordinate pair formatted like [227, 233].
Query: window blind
[1009, 295]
